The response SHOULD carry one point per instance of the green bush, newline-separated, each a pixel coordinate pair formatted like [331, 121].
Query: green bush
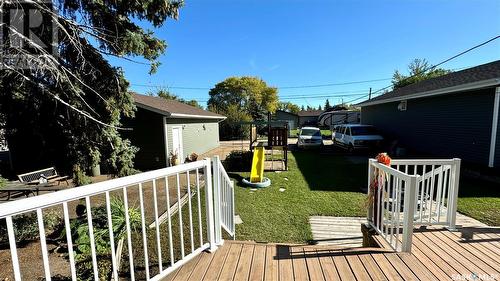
[79, 176]
[238, 161]
[80, 234]
[26, 227]
[3, 181]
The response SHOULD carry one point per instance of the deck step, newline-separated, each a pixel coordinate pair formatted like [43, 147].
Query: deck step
[337, 231]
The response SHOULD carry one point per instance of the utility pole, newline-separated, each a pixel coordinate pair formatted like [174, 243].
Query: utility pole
[370, 94]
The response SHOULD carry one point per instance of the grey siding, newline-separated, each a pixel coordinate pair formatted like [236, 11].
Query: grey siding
[195, 138]
[147, 135]
[292, 119]
[457, 125]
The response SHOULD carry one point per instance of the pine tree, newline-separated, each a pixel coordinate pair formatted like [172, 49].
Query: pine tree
[327, 105]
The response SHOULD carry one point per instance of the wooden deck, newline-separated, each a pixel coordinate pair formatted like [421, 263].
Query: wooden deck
[437, 254]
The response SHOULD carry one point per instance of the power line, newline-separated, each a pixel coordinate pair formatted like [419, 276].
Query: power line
[445, 61]
[284, 87]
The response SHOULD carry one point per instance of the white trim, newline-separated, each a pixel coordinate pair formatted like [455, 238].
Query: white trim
[442, 91]
[165, 138]
[177, 115]
[181, 142]
[181, 115]
[494, 127]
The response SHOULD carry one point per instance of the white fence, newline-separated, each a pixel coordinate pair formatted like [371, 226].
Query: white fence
[409, 193]
[170, 244]
[224, 200]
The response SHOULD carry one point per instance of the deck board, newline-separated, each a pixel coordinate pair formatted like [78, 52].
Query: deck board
[271, 271]
[257, 268]
[437, 254]
[299, 264]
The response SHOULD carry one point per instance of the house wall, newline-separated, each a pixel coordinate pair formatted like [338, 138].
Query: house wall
[292, 119]
[147, 135]
[457, 125]
[195, 138]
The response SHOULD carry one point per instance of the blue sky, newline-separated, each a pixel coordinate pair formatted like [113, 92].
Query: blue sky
[299, 42]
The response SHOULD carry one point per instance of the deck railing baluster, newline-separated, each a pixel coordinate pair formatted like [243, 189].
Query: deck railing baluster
[144, 234]
[92, 240]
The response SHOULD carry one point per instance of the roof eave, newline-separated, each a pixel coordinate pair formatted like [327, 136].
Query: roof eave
[181, 115]
[442, 91]
[178, 115]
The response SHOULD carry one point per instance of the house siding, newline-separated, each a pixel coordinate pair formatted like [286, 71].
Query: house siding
[291, 118]
[457, 125]
[194, 137]
[147, 135]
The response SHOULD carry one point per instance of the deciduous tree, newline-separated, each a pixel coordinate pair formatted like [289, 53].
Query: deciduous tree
[419, 70]
[250, 94]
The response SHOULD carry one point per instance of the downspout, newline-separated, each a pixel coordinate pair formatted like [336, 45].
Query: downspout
[165, 138]
[494, 128]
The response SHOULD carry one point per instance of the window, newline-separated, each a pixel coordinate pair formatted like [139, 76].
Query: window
[310, 132]
[364, 131]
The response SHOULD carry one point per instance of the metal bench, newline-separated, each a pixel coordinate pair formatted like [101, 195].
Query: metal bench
[49, 173]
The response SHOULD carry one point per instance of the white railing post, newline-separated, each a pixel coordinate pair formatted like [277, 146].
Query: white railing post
[369, 213]
[408, 213]
[453, 194]
[209, 206]
[217, 200]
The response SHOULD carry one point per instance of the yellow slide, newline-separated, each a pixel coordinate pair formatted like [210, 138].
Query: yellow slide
[257, 173]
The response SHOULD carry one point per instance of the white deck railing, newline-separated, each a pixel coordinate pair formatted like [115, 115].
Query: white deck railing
[197, 233]
[412, 192]
[224, 200]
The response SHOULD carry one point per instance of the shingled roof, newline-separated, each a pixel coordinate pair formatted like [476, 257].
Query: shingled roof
[309, 113]
[172, 108]
[481, 76]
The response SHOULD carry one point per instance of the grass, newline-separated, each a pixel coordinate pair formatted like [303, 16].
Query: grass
[314, 185]
[329, 185]
[324, 133]
[480, 200]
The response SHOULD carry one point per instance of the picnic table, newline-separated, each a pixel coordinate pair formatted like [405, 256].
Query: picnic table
[27, 189]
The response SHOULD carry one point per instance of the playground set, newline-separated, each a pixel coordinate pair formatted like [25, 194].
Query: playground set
[264, 158]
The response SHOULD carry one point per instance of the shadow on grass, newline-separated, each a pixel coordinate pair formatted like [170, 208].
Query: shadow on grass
[331, 172]
[470, 187]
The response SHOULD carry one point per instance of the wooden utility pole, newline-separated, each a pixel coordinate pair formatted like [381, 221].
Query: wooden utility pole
[370, 94]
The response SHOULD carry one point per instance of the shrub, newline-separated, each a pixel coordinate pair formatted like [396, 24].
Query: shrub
[238, 161]
[3, 181]
[79, 176]
[26, 226]
[80, 234]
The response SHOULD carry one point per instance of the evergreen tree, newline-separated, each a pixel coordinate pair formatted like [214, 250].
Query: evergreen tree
[327, 105]
[66, 109]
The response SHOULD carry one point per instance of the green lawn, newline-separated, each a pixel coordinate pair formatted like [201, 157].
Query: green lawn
[480, 200]
[329, 185]
[315, 185]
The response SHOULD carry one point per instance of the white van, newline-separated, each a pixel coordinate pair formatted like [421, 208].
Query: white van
[356, 136]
